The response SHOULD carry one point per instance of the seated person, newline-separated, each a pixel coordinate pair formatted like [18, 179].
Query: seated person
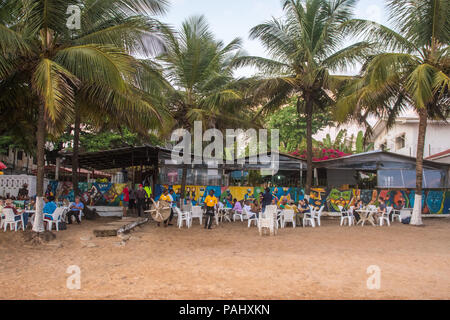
[359, 206]
[237, 207]
[247, 206]
[75, 210]
[9, 205]
[283, 203]
[292, 206]
[255, 209]
[303, 207]
[221, 205]
[49, 207]
[382, 209]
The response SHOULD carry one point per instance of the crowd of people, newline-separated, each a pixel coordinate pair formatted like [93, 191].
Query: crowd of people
[25, 206]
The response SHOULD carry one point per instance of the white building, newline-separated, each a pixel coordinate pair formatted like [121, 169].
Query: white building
[402, 137]
[18, 162]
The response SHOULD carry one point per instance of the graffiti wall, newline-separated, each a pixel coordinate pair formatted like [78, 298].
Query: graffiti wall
[433, 202]
[95, 194]
[108, 194]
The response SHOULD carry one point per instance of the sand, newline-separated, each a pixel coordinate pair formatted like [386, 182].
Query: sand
[233, 262]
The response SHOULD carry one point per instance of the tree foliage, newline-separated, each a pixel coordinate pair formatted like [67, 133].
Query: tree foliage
[292, 125]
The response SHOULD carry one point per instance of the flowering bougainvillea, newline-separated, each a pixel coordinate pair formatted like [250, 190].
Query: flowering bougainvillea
[321, 154]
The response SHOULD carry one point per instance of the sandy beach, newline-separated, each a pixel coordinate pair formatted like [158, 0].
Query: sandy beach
[232, 262]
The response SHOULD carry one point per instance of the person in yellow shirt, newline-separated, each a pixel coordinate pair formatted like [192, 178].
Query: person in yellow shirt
[211, 203]
[166, 197]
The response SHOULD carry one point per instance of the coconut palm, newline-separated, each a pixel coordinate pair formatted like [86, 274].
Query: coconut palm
[305, 47]
[200, 69]
[56, 69]
[412, 70]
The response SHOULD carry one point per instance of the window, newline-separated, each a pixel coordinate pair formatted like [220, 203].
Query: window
[19, 155]
[400, 142]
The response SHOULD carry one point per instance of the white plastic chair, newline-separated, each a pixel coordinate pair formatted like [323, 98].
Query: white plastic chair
[238, 214]
[287, 216]
[308, 217]
[183, 217]
[318, 215]
[11, 219]
[268, 220]
[56, 218]
[351, 214]
[396, 214]
[385, 217]
[345, 216]
[197, 213]
[250, 217]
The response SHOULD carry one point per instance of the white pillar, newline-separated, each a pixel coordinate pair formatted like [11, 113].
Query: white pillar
[38, 225]
[416, 218]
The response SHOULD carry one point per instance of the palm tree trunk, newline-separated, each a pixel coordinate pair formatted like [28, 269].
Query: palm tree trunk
[183, 186]
[76, 144]
[309, 145]
[416, 218]
[38, 225]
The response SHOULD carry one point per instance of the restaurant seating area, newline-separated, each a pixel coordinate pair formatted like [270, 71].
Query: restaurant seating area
[283, 217]
[24, 216]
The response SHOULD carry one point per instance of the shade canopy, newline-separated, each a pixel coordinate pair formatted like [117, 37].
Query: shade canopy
[146, 155]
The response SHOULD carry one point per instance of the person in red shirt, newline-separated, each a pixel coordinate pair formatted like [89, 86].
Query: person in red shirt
[9, 205]
[125, 200]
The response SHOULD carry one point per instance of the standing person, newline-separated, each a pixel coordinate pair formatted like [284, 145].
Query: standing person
[211, 203]
[132, 200]
[125, 200]
[75, 210]
[23, 192]
[267, 199]
[148, 189]
[141, 197]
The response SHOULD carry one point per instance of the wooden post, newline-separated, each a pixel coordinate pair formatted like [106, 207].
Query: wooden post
[58, 164]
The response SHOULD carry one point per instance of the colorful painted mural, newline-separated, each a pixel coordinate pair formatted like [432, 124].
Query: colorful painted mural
[107, 194]
[95, 194]
[434, 202]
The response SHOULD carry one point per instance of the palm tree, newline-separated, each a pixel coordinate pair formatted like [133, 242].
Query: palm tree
[412, 70]
[57, 69]
[200, 70]
[305, 48]
[105, 22]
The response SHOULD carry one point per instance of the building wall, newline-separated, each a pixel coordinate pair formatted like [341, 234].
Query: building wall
[436, 139]
[13, 163]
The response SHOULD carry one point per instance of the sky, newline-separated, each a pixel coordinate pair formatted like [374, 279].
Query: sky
[234, 18]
